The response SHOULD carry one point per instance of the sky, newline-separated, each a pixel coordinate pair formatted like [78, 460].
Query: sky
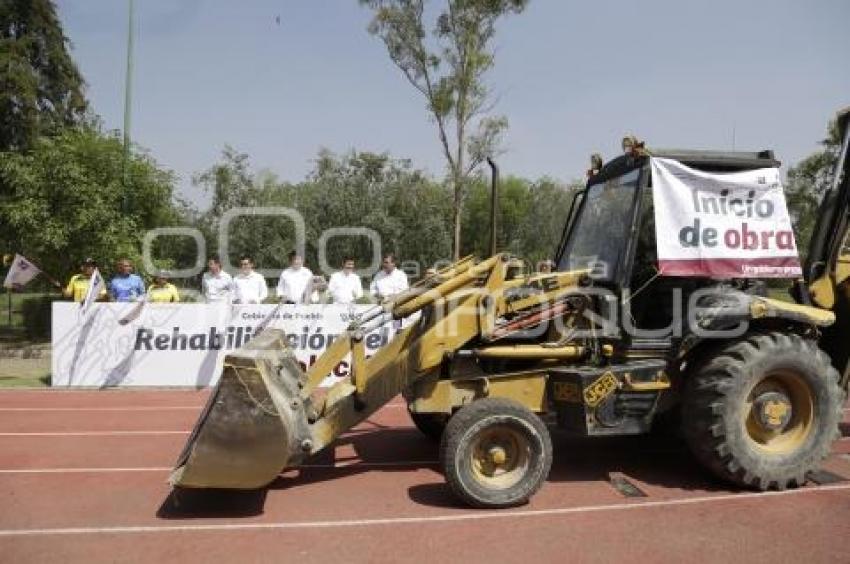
[571, 77]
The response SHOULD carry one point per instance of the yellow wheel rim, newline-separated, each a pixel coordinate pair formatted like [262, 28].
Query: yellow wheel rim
[500, 457]
[779, 413]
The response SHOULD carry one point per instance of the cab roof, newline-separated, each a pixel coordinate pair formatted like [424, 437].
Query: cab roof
[708, 161]
[720, 161]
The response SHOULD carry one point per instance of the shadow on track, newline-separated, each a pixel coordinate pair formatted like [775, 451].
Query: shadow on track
[192, 504]
[375, 449]
[656, 460]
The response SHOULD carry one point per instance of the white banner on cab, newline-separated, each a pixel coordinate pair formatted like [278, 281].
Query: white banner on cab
[722, 225]
[127, 344]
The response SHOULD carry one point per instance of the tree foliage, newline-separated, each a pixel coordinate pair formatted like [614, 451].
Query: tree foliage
[408, 210]
[41, 90]
[807, 183]
[67, 196]
[530, 218]
[402, 205]
[229, 182]
[446, 62]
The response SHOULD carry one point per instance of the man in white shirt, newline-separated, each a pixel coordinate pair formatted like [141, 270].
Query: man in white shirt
[216, 284]
[389, 281]
[249, 287]
[294, 286]
[345, 286]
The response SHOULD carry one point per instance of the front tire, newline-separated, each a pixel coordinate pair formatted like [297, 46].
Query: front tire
[763, 412]
[495, 453]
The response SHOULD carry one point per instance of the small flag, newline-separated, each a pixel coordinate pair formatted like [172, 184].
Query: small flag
[20, 273]
[96, 286]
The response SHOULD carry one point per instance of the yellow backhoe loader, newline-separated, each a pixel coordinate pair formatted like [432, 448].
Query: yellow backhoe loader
[491, 357]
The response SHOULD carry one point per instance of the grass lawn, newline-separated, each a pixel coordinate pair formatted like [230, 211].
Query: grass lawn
[24, 372]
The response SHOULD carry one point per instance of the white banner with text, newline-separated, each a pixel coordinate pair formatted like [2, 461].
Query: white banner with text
[127, 344]
[722, 225]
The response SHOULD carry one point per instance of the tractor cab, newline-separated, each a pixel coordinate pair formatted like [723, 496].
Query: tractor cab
[611, 231]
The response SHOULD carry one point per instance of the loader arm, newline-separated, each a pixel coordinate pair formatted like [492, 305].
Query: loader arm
[266, 413]
[826, 264]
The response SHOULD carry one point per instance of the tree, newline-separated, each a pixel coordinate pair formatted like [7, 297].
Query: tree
[807, 183]
[406, 208]
[233, 184]
[530, 218]
[230, 181]
[448, 69]
[67, 196]
[41, 89]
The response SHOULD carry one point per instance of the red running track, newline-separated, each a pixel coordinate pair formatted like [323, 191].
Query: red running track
[83, 479]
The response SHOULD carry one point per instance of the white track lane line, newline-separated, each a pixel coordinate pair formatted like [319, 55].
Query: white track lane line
[106, 433]
[91, 433]
[188, 390]
[449, 518]
[149, 433]
[131, 408]
[128, 408]
[162, 408]
[106, 470]
[83, 470]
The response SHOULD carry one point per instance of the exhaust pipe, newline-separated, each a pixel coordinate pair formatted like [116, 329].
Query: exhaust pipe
[494, 203]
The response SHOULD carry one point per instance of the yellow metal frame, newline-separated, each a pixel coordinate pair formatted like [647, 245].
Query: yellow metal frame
[457, 304]
[444, 396]
[767, 307]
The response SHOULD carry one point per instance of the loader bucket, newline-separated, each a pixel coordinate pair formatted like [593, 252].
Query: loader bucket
[254, 424]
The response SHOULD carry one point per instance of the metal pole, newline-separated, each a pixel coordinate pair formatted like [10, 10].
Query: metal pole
[128, 82]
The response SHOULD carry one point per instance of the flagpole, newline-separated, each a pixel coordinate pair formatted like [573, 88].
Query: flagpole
[128, 78]
[9, 290]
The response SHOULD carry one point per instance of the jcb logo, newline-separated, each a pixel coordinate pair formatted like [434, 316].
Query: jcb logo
[600, 389]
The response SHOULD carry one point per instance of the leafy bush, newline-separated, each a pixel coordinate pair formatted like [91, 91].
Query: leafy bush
[36, 313]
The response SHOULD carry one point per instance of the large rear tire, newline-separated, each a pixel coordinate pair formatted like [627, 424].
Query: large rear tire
[495, 453]
[763, 412]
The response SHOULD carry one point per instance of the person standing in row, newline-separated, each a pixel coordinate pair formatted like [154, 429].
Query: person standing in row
[216, 284]
[162, 291]
[389, 281]
[345, 286]
[126, 286]
[249, 287]
[295, 283]
[78, 285]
